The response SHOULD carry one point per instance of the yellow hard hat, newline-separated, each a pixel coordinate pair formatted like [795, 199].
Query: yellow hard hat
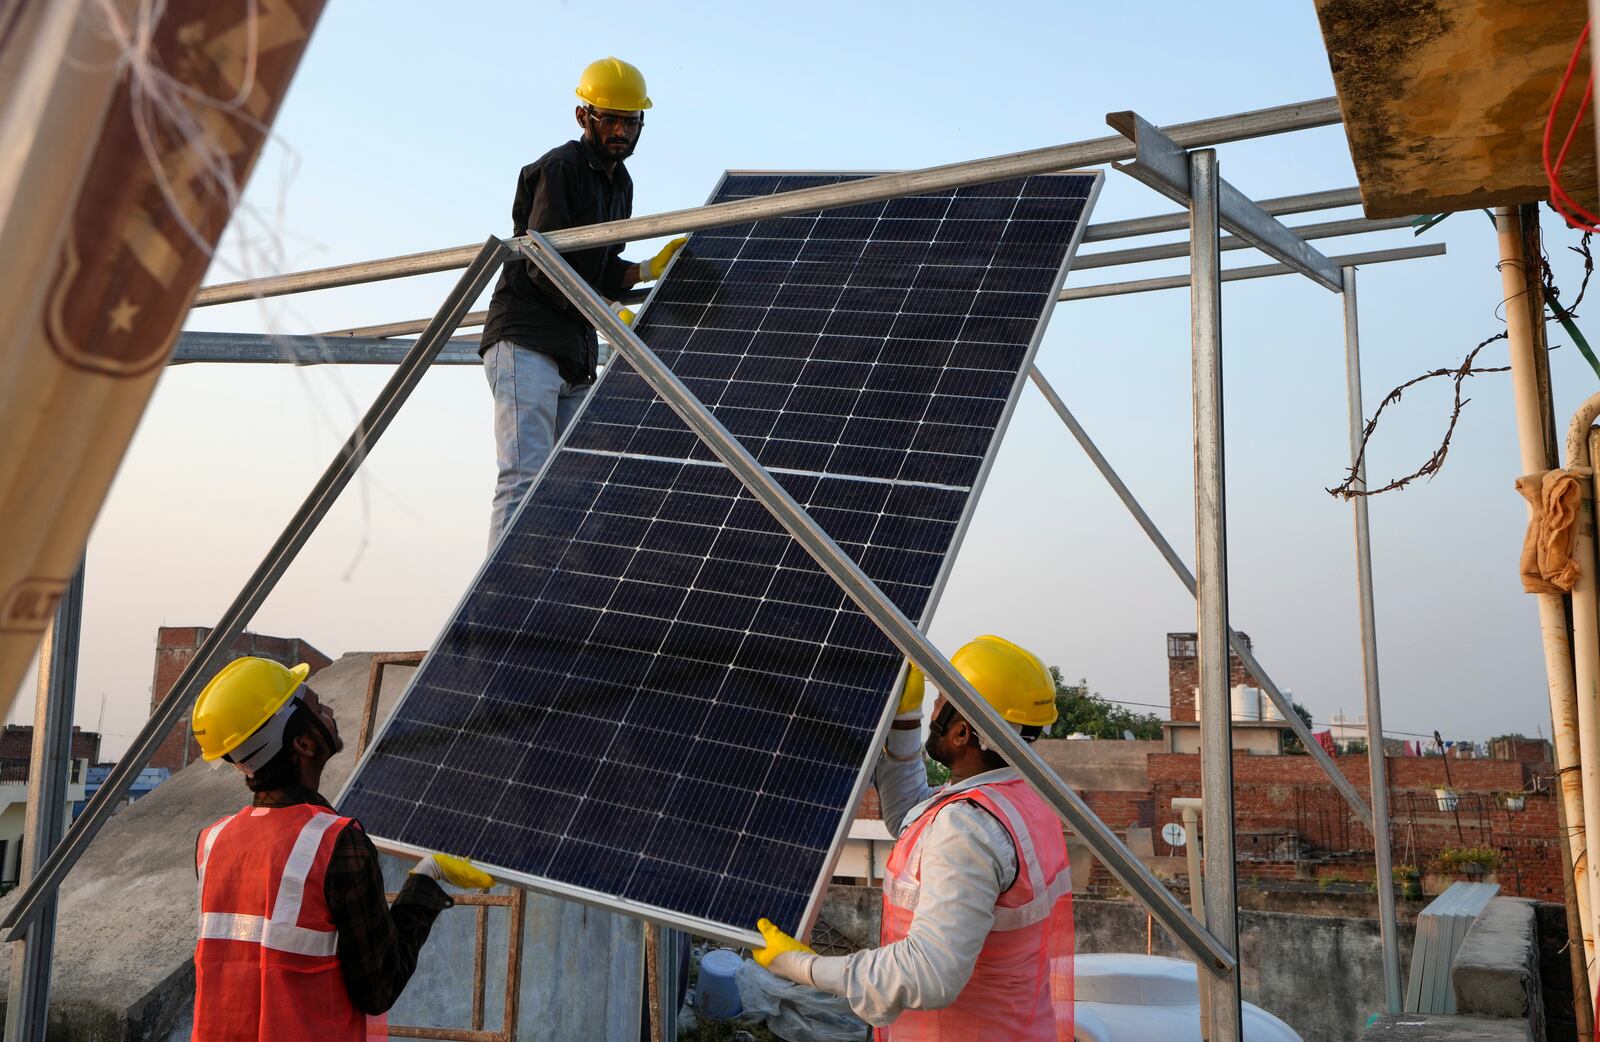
[612, 83]
[245, 694]
[1010, 678]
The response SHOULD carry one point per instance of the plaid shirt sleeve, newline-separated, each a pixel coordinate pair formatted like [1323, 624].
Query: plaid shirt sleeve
[378, 942]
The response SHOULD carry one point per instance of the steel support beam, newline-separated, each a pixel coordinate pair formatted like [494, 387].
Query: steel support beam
[49, 767]
[1242, 126]
[1335, 777]
[1211, 576]
[1254, 271]
[1376, 760]
[213, 651]
[1163, 164]
[859, 588]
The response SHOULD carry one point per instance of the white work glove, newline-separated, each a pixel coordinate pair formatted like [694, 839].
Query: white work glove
[457, 871]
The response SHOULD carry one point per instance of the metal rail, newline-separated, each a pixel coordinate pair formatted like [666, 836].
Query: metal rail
[860, 589]
[1346, 788]
[1171, 222]
[1211, 577]
[1254, 271]
[1170, 250]
[194, 346]
[1239, 127]
[471, 320]
[213, 650]
[1376, 762]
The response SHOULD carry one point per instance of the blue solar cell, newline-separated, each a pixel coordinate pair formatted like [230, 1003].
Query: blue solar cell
[652, 691]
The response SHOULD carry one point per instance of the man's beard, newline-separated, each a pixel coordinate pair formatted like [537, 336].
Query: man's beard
[615, 148]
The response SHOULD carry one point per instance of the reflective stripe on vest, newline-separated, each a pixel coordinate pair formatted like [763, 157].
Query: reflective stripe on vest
[905, 890]
[282, 937]
[280, 932]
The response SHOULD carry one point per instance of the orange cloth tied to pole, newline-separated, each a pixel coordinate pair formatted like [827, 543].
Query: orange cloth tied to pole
[1553, 499]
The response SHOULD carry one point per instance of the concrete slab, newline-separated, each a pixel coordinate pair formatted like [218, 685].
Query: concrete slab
[124, 947]
[1496, 971]
[1438, 1027]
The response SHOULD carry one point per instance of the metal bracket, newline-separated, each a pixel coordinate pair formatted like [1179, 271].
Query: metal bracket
[1160, 163]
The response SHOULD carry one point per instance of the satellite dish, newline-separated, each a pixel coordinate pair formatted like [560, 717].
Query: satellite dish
[1173, 833]
[1127, 736]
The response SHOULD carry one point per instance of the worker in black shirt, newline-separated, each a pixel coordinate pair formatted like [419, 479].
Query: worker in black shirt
[538, 351]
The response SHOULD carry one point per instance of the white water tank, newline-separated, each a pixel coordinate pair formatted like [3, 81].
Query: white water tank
[1245, 702]
[1269, 708]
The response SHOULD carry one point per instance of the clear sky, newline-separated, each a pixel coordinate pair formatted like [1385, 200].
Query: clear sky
[404, 131]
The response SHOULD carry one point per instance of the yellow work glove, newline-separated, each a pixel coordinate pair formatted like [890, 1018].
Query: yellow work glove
[784, 956]
[457, 871]
[912, 694]
[651, 269]
[623, 312]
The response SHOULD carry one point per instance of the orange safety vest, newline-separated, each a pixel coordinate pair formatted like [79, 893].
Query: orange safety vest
[1021, 985]
[267, 963]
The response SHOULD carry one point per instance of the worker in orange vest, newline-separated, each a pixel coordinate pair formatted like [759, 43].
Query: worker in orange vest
[297, 941]
[977, 940]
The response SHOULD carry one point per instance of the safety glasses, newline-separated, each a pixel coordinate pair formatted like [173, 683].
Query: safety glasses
[616, 122]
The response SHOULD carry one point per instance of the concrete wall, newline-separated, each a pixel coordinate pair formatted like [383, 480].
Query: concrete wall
[1249, 736]
[123, 968]
[1324, 977]
[1117, 766]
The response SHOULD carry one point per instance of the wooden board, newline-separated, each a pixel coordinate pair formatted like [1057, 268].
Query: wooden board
[1445, 101]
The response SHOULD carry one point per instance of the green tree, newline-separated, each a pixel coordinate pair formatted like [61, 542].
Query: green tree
[1084, 712]
[1291, 741]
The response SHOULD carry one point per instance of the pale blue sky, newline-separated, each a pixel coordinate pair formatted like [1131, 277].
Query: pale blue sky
[404, 131]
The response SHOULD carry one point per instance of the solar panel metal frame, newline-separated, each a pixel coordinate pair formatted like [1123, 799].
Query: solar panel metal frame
[668, 917]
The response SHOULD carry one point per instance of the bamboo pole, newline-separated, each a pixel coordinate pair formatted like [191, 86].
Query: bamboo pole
[1564, 712]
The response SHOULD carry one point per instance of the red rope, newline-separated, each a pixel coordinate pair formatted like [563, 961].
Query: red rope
[1573, 213]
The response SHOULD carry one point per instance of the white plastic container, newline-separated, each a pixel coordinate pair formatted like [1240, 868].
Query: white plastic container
[1145, 998]
[1245, 702]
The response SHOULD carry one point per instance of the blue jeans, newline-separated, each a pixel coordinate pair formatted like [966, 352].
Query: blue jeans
[532, 406]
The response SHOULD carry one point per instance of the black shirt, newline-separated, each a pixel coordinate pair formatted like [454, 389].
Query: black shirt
[567, 187]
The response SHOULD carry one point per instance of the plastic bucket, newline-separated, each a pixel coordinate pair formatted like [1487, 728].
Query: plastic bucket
[717, 996]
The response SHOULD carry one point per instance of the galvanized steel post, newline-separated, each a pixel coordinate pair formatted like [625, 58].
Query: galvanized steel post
[1211, 577]
[49, 764]
[1377, 763]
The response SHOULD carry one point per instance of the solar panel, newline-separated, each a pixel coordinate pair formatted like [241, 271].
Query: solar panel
[651, 698]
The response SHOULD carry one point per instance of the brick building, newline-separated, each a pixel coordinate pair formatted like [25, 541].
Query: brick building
[176, 646]
[1290, 823]
[16, 746]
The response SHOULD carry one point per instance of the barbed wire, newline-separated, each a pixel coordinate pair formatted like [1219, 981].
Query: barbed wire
[1347, 489]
